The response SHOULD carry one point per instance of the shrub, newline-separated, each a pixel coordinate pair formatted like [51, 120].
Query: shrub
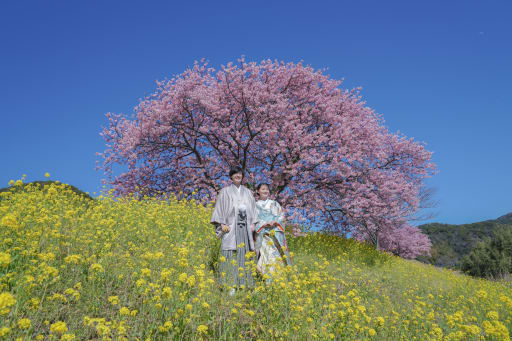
[491, 258]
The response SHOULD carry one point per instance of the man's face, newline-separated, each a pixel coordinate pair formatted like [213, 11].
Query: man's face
[236, 178]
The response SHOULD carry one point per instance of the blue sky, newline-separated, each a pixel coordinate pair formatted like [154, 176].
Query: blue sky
[439, 71]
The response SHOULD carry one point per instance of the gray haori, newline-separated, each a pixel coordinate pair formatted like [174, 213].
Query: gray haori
[227, 205]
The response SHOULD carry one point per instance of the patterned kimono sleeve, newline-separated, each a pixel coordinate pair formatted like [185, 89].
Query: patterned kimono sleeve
[280, 218]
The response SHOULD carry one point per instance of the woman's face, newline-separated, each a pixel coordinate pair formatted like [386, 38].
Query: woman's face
[237, 178]
[263, 192]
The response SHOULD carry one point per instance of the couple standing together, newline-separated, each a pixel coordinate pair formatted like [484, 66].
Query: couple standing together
[251, 232]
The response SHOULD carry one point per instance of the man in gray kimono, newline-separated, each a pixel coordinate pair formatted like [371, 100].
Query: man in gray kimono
[235, 217]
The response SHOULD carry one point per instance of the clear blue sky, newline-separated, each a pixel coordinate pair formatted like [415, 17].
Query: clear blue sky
[439, 71]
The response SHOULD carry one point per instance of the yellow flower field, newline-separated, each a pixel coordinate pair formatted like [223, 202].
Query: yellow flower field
[72, 268]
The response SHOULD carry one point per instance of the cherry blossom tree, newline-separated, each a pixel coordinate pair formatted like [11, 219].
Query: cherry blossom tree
[407, 242]
[329, 158]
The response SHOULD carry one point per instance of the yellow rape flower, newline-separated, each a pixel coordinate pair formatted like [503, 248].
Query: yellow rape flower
[5, 331]
[24, 323]
[10, 220]
[121, 329]
[202, 329]
[191, 281]
[34, 302]
[481, 294]
[58, 297]
[380, 321]
[59, 327]
[6, 301]
[72, 292]
[472, 329]
[182, 277]
[114, 300]
[492, 315]
[167, 292]
[103, 329]
[166, 327]
[165, 274]
[5, 259]
[74, 259]
[96, 267]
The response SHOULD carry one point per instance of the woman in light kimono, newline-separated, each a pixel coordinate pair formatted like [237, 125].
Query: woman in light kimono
[271, 246]
[235, 217]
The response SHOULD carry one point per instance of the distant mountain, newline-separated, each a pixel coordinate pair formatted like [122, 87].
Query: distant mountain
[505, 219]
[450, 243]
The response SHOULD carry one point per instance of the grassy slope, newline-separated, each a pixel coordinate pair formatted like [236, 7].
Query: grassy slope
[141, 269]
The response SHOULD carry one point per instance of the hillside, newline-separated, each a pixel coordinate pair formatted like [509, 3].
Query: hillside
[127, 269]
[44, 185]
[505, 219]
[450, 243]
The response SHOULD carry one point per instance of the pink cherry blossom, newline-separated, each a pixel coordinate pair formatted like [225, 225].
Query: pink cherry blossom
[330, 160]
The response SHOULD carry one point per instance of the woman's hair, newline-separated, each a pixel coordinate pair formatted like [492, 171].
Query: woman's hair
[234, 170]
[262, 184]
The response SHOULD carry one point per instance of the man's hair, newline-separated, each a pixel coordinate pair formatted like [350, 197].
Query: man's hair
[234, 170]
